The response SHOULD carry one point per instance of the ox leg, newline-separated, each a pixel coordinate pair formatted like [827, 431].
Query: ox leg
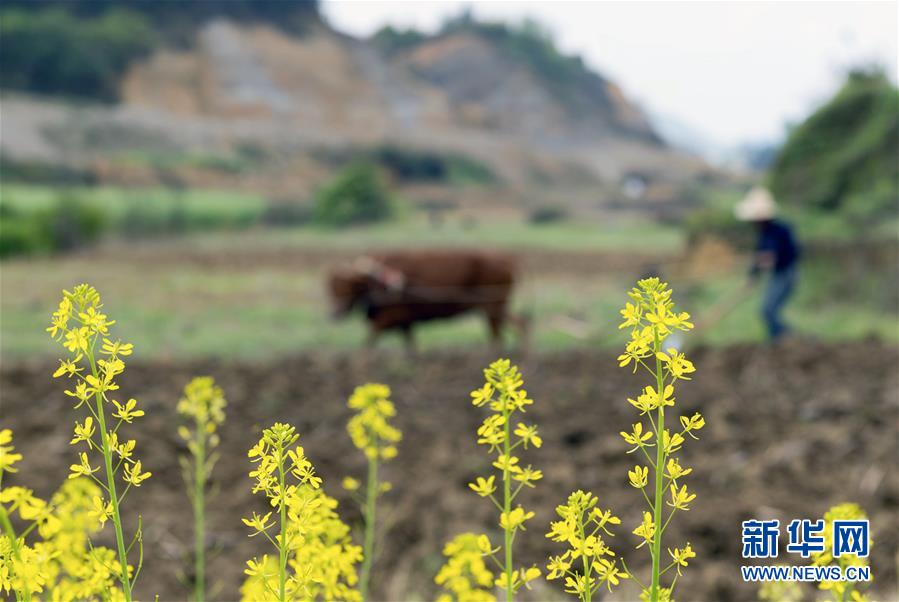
[409, 340]
[522, 323]
[372, 338]
[496, 320]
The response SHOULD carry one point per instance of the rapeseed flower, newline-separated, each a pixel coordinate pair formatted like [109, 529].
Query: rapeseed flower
[585, 564]
[371, 432]
[79, 324]
[503, 394]
[651, 317]
[316, 557]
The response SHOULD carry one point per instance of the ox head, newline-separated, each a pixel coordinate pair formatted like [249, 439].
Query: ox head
[351, 286]
[348, 288]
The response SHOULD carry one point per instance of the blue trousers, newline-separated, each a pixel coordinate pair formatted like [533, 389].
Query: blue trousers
[780, 287]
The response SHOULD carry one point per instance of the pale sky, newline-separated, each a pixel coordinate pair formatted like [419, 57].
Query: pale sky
[734, 71]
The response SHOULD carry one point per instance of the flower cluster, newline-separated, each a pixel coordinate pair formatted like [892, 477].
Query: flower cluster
[316, 558]
[503, 394]
[370, 428]
[203, 405]
[94, 362]
[840, 590]
[371, 431]
[652, 317]
[465, 576]
[60, 564]
[588, 563]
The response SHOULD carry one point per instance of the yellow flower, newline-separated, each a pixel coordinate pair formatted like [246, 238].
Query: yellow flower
[694, 423]
[681, 556]
[258, 523]
[133, 474]
[678, 365]
[95, 321]
[680, 498]
[528, 475]
[671, 443]
[84, 432]
[83, 468]
[504, 462]
[637, 437]
[127, 413]
[638, 476]
[76, 340]
[370, 427]
[116, 348]
[646, 529]
[675, 470]
[482, 396]
[563, 531]
[350, 484]
[514, 519]
[68, 367]
[607, 572]
[465, 575]
[557, 566]
[483, 487]
[7, 456]
[256, 567]
[528, 434]
[632, 315]
[100, 511]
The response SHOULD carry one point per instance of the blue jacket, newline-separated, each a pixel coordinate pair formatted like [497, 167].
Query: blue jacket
[777, 237]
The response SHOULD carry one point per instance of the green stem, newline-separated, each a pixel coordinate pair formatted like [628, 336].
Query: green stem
[507, 502]
[660, 463]
[282, 543]
[14, 544]
[111, 485]
[371, 498]
[588, 593]
[200, 515]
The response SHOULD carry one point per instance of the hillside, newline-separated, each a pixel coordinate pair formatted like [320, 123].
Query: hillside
[253, 106]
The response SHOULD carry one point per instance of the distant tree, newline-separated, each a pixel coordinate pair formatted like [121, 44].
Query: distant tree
[357, 195]
[843, 157]
[52, 52]
[83, 47]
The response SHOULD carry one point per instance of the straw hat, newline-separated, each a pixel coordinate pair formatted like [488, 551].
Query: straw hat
[756, 206]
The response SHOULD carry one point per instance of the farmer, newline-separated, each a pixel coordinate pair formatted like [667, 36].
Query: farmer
[776, 251]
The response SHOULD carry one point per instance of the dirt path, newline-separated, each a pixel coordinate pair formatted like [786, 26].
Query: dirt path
[789, 434]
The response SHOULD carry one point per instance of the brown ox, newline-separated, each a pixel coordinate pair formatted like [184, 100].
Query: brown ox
[396, 290]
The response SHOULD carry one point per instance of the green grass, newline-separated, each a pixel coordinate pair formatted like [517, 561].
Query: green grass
[171, 307]
[185, 310]
[117, 202]
[620, 236]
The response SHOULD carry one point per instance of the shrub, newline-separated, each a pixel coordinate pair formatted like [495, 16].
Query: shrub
[72, 223]
[66, 225]
[547, 214]
[718, 223]
[357, 195]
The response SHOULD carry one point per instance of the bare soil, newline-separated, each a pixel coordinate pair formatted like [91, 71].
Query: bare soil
[790, 431]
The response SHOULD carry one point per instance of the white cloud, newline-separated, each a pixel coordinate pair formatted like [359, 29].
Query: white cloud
[737, 71]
